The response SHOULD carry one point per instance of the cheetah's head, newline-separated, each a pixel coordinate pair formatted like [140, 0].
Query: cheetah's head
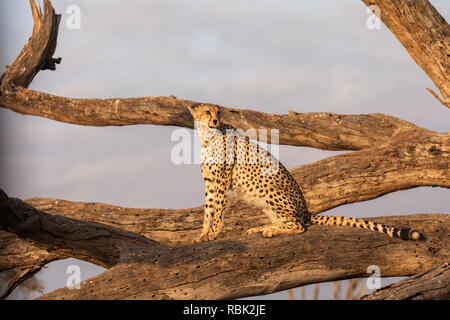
[208, 115]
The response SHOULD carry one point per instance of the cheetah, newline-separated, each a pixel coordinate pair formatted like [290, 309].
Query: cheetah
[230, 161]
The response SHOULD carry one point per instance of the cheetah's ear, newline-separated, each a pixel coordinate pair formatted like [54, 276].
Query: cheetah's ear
[192, 107]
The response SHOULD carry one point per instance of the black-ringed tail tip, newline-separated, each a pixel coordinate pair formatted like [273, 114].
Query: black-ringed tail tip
[409, 234]
[393, 232]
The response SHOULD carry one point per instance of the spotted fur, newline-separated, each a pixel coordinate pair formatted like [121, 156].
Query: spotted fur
[230, 161]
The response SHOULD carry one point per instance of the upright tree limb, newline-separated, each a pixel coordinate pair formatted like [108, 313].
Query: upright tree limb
[37, 54]
[424, 33]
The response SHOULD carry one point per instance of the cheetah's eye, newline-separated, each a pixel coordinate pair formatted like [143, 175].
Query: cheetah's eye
[208, 113]
[218, 113]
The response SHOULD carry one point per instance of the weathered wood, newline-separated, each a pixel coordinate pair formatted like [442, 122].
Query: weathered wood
[322, 130]
[148, 252]
[328, 183]
[432, 284]
[235, 266]
[18, 279]
[424, 33]
[90, 241]
[417, 159]
[37, 54]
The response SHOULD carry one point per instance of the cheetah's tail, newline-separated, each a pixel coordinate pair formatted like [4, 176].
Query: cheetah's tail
[393, 232]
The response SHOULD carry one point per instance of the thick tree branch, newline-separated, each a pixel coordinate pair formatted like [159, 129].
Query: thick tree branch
[432, 284]
[406, 162]
[348, 178]
[424, 33]
[326, 131]
[233, 267]
[88, 241]
[17, 253]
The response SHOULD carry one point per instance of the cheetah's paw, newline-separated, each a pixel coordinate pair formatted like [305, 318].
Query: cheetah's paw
[253, 230]
[201, 238]
[266, 232]
[205, 237]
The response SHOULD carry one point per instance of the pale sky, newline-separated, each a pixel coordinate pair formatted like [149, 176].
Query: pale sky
[271, 56]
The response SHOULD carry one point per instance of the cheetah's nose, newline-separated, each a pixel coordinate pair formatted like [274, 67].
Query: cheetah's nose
[216, 123]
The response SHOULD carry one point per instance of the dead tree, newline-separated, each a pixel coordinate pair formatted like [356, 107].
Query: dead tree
[147, 252]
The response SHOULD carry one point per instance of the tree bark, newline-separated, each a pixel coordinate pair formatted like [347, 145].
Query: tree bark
[322, 130]
[148, 252]
[433, 284]
[424, 33]
[37, 54]
[234, 266]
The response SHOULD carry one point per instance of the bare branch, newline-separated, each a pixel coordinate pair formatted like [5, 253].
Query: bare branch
[424, 33]
[291, 294]
[225, 268]
[351, 288]
[438, 98]
[336, 290]
[302, 293]
[37, 54]
[316, 292]
[432, 284]
[408, 161]
[17, 279]
[326, 131]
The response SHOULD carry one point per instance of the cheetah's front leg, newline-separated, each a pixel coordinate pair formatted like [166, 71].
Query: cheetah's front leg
[209, 209]
[222, 187]
[222, 184]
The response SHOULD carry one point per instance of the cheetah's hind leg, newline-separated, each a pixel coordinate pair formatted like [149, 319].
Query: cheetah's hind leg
[271, 230]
